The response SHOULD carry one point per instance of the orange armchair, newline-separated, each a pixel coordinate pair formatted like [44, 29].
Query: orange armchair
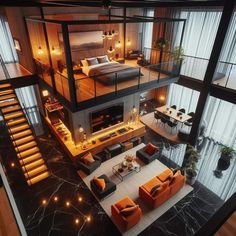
[125, 222]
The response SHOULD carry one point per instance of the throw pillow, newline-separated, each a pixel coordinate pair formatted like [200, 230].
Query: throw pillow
[84, 63]
[103, 59]
[155, 188]
[160, 189]
[100, 183]
[92, 61]
[128, 210]
[88, 159]
[151, 149]
[178, 173]
[165, 175]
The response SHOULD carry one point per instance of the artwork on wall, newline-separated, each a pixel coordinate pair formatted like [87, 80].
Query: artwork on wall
[17, 44]
[86, 40]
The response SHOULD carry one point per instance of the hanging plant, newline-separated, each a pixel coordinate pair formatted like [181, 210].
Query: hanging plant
[160, 43]
[224, 160]
[178, 55]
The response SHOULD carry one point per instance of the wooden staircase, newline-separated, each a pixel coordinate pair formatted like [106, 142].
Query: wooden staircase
[28, 153]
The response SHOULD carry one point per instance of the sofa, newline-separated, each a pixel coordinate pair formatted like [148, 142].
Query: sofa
[126, 222]
[110, 187]
[146, 157]
[89, 168]
[164, 185]
[133, 54]
[113, 150]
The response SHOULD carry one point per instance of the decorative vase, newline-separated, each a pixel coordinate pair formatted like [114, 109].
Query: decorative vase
[223, 164]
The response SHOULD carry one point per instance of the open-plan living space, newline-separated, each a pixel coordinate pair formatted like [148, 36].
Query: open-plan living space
[117, 117]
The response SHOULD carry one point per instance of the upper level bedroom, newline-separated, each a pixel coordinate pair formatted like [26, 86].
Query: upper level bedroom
[86, 56]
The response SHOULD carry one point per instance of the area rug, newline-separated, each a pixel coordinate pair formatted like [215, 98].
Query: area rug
[129, 187]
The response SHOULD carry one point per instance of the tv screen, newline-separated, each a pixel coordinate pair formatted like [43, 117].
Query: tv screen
[107, 117]
[85, 40]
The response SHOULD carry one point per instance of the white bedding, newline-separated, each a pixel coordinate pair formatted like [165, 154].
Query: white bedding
[86, 69]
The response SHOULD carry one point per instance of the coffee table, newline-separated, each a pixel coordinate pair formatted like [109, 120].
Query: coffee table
[126, 171]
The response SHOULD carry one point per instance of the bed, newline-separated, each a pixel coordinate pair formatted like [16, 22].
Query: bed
[106, 72]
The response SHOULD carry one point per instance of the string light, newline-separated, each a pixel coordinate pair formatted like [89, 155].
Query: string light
[88, 218]
[12, 164]
[44, 201]
[77, 221]
[80, 199]
[55, 199]
[67, 203]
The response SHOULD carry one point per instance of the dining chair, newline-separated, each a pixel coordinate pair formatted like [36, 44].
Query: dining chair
[174, 107]
[164, 120]
[172, 125]
[189, 122]
[182, 110]
[157, 115]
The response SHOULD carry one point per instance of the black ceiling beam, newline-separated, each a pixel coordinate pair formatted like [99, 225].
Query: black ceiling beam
[127, 4]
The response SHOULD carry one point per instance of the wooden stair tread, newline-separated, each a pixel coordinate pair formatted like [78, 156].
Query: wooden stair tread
[21, 134]
[5, 85]
[16, 121]
[13, 115]
[38, 178]
[24, 140]
[19, 128]
[8, 103]
[33, 164]
[11, 109]
[28, 152]
[25, 146]
[7, 91]
[36, 171]
[6, 97]
[31, 158]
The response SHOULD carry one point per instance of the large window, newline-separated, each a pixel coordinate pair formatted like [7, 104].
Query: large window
[7, 49]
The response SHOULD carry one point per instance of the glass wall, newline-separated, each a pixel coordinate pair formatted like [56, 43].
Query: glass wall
[225, 74]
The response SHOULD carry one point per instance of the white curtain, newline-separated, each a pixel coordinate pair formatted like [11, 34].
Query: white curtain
[7, 49]
[182, 97]
[26, 96]
[147, 33]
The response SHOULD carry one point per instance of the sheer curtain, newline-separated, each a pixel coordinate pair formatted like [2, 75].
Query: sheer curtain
[182, 97]
[220, 119]
[147, 33]
[28, 102]
[7, 49]
[199, 35]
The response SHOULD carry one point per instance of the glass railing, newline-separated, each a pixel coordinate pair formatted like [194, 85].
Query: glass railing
[90, 87]
[43, 71]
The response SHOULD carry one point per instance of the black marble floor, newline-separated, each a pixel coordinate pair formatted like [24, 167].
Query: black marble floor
[84, 215]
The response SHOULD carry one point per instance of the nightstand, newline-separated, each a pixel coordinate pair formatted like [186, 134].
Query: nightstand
[120, 60]
[77, 70]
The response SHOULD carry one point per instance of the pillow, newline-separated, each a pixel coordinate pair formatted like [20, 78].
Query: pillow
[88, 159]
[100, 183]
[84, 63]
[175, 176]
[129, 210]
[103, 59]
[165, 175]
[92, 61]
[151, 149]
[155, 188]
[160, 189]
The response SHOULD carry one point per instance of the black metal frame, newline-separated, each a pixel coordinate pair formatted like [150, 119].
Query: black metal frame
[65, 32]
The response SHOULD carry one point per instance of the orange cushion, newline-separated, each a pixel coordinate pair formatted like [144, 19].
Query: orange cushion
[167, 174]
[88, 159]
[100, 183]
[161, 189]
[128, 210]
[175, 177]
[151, 149]
[151, 183]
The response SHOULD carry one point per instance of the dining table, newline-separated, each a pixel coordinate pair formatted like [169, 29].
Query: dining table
[173, 113]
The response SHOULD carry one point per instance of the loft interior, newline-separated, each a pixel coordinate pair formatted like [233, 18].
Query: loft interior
[117, 117]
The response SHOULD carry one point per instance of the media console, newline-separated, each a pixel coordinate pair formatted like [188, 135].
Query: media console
[96, 145]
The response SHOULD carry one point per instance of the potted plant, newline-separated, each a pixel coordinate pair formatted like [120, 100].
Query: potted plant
[189, 166]
[178, 57]
[191, 175]
[224, 160]
[160, 43]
